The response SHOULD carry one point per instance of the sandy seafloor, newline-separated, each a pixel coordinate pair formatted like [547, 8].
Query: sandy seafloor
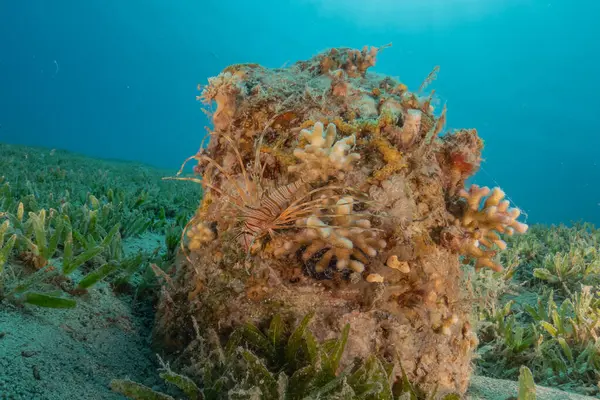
[48, 354]
[53, 354]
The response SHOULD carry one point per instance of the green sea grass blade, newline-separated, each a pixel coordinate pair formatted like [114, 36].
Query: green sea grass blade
[89, 253]
[94, 202]
[370, 380]
[380, 375]
[312, 347]
[261, 375]
[44, 300]
[526, 385]
[3, 229]
[566, 348]
[5, 251]
[82, 240]
[256, 338]
[275, 332]
[92, 221]
[20, 211]
[338, 350]
[233, 342]
[68, 251]
[299, 381]
[332, 384]
[39, 229]
[407, 387]
[54, 239]
[111, 234]
[184, 383]
[81, 259]
[96, 275]
[545, 275]
[136, 391]
[295, 339]
[549, 328]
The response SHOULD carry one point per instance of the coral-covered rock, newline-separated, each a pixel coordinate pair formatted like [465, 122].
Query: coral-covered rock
[346, 221]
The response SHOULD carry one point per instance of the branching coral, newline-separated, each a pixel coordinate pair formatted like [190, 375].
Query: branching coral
[482, 226]
[322, 157]
[348, 237]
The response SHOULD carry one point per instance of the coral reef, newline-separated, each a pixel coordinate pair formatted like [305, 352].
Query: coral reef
[329, 190]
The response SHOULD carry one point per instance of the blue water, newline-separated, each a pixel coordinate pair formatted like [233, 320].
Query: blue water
[117, 78]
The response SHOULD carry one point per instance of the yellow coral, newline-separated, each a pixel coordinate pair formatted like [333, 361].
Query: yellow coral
[391, 156]
[344, 127]
[206, 202]
[374, 278]
[394, 263]
[483, 225]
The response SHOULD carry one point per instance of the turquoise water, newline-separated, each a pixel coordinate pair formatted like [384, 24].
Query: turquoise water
[88, 84]
[118, 79]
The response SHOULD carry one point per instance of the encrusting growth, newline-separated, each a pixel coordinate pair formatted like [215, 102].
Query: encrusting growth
[199, 235]
[223, 89]
[332, 190]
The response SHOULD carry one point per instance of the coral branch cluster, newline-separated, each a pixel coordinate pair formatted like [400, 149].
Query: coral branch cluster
[348, 238]
[482, 225]
[323, 157]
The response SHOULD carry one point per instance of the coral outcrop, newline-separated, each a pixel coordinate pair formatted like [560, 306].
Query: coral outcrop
[331, 190]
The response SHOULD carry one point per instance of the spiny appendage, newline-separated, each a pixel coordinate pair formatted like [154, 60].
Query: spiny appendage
[278, 209]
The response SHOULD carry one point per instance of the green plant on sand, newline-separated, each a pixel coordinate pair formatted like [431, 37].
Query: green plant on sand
[555, 330]
[63, 219]
[279, 364]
